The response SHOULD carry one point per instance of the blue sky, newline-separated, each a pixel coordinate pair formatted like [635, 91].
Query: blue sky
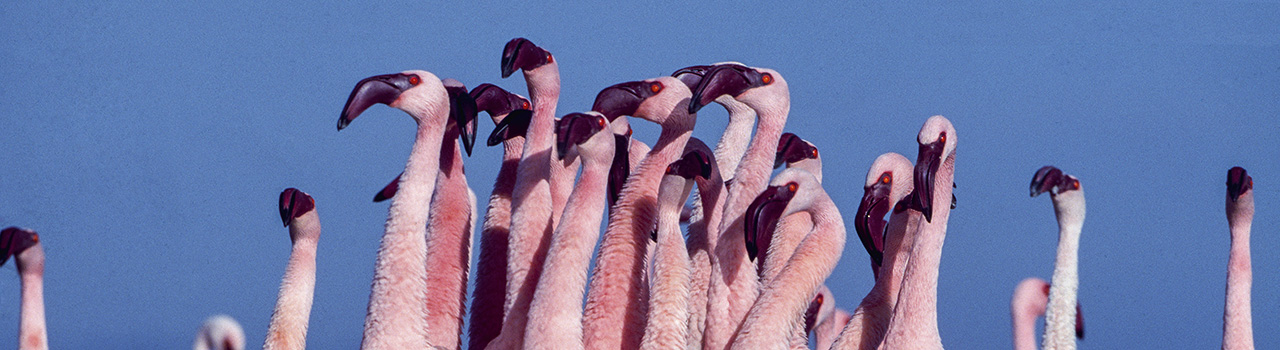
[147, 143]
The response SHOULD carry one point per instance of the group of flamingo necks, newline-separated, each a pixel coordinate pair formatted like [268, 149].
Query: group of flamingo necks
[748, 271]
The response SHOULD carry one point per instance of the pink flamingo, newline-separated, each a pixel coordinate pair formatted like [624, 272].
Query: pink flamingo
[701, 233]
[1069, 205]
[288, 329]
[826, 333]
[737, 133]
[1237, 319]
[820, 310]
[782, 240]
[220, 332]
[618, 297]
[734, 282]
[782, 303]
[1029, 301]
[533, 199]
[667, 326]
[887, 187]
[28, 254]
[914, 324]
[396, 317]
[555, 313]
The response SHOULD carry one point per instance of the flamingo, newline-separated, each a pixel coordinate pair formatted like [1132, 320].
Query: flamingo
[396, 316]
[733, 142]
[1068, 204]
[618, 297]
[1028, 303]
[220, 332]
[782, 240]
[1237, 319]
[734, 283]
[821, 309]
[288, 329]
[782, 303]
[826, 333]
[914, 324]
[667, 322]
[701, 233]
[533, 201]
[887, 187]
[28, 254]
[555, 313]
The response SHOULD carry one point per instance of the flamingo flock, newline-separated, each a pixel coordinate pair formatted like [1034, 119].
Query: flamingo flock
[743, 267]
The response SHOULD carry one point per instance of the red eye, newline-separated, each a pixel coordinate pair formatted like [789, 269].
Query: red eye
[942, 137]
[767, 78]
[813, 153]
[629, 131]
[1075, 185]
[655, 87]
[524, 105]
[819, 299]
[600, 121]
[549, 58]
[886, 178]
[792, 186]
[414, 80]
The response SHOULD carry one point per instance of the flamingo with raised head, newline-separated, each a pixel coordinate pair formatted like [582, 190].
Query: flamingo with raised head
[219, 332]
[1237, 319]
[288, 328]
[555, 315]
[28, 254]
[734, 282]
[782, 304]
[618, 296]
[1028, 303]
[914, 324]
[396, 316]
[667, 322]
[1069, 207]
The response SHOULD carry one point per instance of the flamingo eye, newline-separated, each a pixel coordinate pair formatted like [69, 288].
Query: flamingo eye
[942, 137]
[791, 186]
[767, 78]
[414, 80]
[600, 121]
[813, 153]
[524, 105]
[629, 131]
[1075, 185]
[655, 87]
[35, 238]
[885, 178]
[549, 58]
[668, 169]
[819, 299]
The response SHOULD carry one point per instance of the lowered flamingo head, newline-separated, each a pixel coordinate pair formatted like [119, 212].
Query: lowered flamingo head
[497, 101]
[937, 141]
[520, 53]
[14, 241]
[462, 113]
[791, 191]
[888, 184]
[584, 135]
[695, 163]
[1238, 183]
[796, 152]
[753, 86]
[654, 100]
[294, 204]
[712, 175]
[514, 125]
[820, 309]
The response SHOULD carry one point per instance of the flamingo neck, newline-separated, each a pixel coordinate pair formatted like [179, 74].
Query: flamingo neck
[669, 302]
[31, 327]
[733, 143]
[899, 238]
[288, 328]
[915, 317]
[544, 94]
[1060, 315]
[1024, 329]
[1238, 317]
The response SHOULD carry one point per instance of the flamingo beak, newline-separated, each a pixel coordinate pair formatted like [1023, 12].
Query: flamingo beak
[621, 167]
[388, 191]
[1079, 322]
[761, 218]
[514, 125]
[811, 315]
[1045, 180]
[870, 222]
[1238, 182]
[286, 205]
[723, 80]
[691, 75]
[463, 110]
[294, 203]
[520, 53]
[620, 99]
[384, 89]
[927, 161]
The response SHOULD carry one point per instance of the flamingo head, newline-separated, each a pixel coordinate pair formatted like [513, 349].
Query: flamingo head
[497, 101]
[514, 125]
[1238, 183]
[1053, 180]
[462, 113]
[520, 53]
[583, 135]
[784, 196]
[294, 203]
[653, 99]
[821, 308]
[695, 163]
[415, 92]
[888, 184]
[14, 241]
[793, 149]
[740, 82]
[937, 140]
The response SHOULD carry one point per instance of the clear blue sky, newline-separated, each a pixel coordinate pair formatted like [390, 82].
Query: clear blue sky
[147, 143]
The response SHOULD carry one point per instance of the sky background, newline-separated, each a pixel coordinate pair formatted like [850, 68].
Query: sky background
[148, 142]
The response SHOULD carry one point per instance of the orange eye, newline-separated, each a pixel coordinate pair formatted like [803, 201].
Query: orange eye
[668, 169]
[813, 153]
[414, 80]
[35, 237]
[819, 299]
[549, 58]
[885, 178]
[629, 131]
[792, 186]
[767, 78]
[1075, 185]
[524, 105]
[655, 87]
[942, 137]
[600, 121]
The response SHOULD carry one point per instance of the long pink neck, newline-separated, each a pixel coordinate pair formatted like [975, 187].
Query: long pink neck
[1024, 322]
[669, 297]
[866, 328]
[288, 329]
[786, 237]
[618, 298]
[733, 143]
[31, 327]
[556, 311]
[701, 246]
[784, 300]
[1238, 318]
[532, 206]
[491, 271]
[397, 318]
[448, 248]
[914, 324]
[1060, 315]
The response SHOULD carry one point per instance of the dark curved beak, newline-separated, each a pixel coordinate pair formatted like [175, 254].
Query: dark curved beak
[388, 191]
[870, 222]
[927, 162]
[723, 80]
[286, 205]
[784, 144]
[691, 75]
[510, 53]
[383, 89]
[1238, 182]
[811, 316]
[761, 218]
[1045, 179]
[463, 110]
[620, 99]
[621, 167]
[515, 124]
[7, 242]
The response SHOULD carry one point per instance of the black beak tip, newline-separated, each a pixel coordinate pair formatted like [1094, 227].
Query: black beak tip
[928, 213]
[342, 123]
[694, 106]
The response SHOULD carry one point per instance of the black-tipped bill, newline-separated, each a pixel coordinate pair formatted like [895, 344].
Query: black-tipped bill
[514, 125]
[762, 218]
[14, 241]
[694, 163]
[811, 314]
[691, 76]
[575, 128]
[623, 98]
[1045, 180]
[1238, 182]
[870, 223]
[463, 111]
[496, 101]
[294, 203]
[383, 89]
[727, 79]
[520, 53]
[389, 190]
[792, 149]
[927, 162]
[621, 167]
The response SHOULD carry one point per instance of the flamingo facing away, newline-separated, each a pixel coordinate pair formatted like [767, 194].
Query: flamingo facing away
[734, 282]
[668, 317]
[491, 269]
[887, 188]
[702, 232]
[783, 301]
[532, 202]
[914, 324]
[1237, 319]
[1029, 301]
[618, 297]
[555, 313]
[28, 254]
[1068, 204]
[220, 332]
[288, 329]
[396, 316]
